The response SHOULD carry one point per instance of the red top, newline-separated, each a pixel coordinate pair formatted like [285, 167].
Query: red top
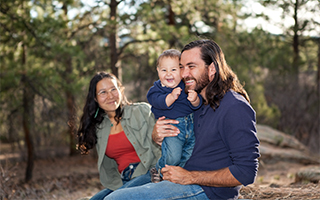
[120, 149]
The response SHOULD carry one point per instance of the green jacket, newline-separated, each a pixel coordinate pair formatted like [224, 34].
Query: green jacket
[137, 122]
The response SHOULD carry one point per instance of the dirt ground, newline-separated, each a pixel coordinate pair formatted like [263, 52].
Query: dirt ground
[71, 178]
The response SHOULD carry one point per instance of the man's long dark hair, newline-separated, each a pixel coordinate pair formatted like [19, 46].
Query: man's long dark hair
[87, 137]
[224, 80]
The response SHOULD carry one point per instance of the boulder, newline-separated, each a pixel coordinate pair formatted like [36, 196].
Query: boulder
[277, 146]
[308, 174]
[278, 138]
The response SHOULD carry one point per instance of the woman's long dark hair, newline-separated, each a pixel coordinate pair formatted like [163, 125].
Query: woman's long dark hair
[224, 79]
[87, 137]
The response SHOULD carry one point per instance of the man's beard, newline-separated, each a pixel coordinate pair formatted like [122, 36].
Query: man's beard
[200, 84]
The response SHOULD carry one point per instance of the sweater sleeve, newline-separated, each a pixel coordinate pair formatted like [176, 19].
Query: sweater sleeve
[239, 134]
[196, 107]
[157, 98]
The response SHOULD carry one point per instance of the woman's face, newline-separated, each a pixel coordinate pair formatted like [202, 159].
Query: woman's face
[108, 95]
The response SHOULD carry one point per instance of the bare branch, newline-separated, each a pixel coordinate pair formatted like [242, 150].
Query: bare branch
[133, 42]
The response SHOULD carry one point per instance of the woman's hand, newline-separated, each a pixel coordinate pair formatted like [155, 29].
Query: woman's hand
[163, 128]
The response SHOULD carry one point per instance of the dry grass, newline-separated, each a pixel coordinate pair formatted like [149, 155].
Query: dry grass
[71, 178]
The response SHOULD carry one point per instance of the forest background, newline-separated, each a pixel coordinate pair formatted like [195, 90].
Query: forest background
[50, 49]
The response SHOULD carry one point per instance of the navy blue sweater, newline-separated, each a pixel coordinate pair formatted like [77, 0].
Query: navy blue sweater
[181, 107]
[226, 138]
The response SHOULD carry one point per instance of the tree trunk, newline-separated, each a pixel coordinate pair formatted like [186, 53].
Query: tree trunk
[171, 22]
[316, 133]
[113, 39]
[70, 97]
[295, 44]
[27, 97]
[70, 106]
[71, 122]
[296, 88]
[27, 118]
[318, 77]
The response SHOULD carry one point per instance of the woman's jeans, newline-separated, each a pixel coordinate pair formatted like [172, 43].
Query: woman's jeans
[177, 150]
[126, 176]
[161, 190]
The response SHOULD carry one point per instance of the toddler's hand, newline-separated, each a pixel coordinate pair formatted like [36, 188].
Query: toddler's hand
[192, 96]
[176, 92]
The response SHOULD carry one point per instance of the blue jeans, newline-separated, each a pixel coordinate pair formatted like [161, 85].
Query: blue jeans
[161, 190]
[177, 150]
[126, 176]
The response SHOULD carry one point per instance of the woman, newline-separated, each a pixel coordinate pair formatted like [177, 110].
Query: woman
[121, 132]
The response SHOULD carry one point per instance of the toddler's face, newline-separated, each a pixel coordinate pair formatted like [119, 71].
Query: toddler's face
[169, 72]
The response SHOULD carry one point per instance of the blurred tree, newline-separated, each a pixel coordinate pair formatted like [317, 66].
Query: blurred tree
[247, 54]
[50, 49]
[16, 36]
[38, 49]
[172, 24]
[295, 96]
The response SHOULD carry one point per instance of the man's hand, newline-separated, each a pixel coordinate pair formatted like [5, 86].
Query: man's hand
[163, 128]
[216, 178]
[176, 174]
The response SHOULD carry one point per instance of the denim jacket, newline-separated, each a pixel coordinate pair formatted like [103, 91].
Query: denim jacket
[137, 122]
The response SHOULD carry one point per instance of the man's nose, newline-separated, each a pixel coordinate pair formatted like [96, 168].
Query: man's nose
[184, 72]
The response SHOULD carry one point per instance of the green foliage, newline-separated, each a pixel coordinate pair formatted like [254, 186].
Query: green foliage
[59, 45]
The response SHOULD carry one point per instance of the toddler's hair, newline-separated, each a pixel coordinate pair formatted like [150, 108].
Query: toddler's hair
[170, 53]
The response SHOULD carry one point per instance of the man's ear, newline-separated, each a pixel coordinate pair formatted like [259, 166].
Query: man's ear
[211, 71]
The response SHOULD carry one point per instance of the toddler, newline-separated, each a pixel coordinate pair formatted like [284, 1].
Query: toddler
[168, 98]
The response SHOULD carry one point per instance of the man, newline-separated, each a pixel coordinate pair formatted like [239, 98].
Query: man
[225, 154]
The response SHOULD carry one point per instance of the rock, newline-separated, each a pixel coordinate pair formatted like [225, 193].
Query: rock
[277, 138]
[308, 174]
[276, 146]
[271, 154]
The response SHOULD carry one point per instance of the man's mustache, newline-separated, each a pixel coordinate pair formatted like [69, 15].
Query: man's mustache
[185, 80]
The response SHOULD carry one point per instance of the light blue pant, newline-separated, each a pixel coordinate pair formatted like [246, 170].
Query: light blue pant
[140, 180]
[177, 150]
[161, 190]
